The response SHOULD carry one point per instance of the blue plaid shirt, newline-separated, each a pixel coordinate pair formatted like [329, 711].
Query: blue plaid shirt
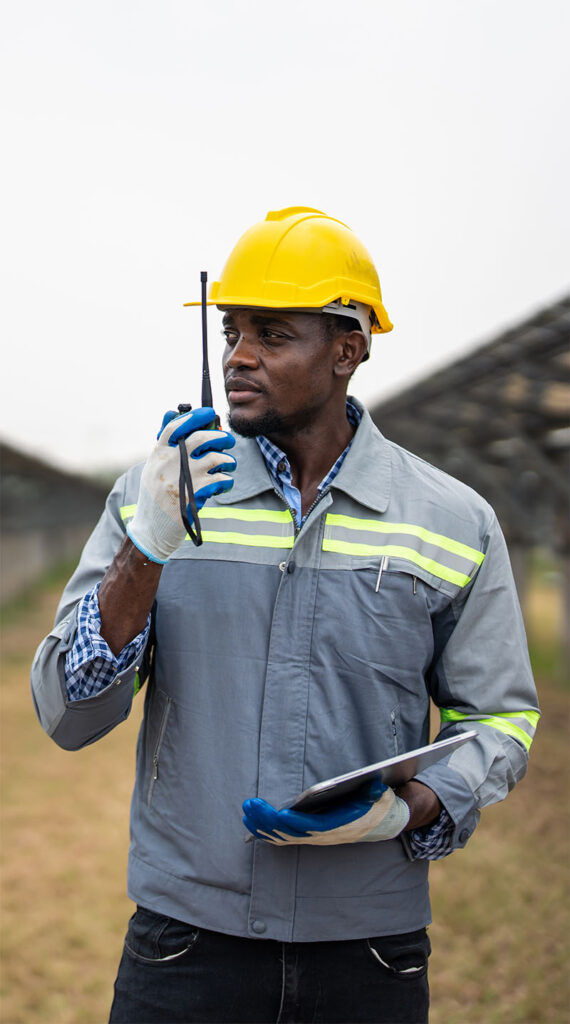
[280, 469]
[90, 665]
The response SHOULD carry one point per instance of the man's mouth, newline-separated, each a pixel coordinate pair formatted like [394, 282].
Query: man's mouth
[240, 390]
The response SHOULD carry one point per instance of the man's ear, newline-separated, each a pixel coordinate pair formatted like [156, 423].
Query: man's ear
[352, 348]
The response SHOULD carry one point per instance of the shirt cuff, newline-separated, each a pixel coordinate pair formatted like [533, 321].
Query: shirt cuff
[432, 842]
[90, 664]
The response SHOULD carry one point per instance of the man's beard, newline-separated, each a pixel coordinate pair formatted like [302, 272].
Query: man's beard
[270, 423]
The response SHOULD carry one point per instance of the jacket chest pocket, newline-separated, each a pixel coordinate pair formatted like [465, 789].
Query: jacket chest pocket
[382, 617]
[374, 643]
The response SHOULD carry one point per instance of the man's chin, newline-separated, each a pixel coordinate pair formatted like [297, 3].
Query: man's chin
[248, 426]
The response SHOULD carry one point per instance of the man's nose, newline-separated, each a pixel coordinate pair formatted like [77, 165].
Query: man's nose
[243, 353]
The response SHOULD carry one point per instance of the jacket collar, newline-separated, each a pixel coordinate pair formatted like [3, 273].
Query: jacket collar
[251, 475]
[365, 475]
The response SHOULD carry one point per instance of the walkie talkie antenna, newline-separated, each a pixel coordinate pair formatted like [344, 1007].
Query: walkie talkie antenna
[206, 386]
[185, 488]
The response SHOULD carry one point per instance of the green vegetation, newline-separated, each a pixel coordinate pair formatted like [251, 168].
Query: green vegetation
[15, 610]
[544, 613]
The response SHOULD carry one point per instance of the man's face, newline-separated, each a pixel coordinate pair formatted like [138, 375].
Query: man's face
[278, 370]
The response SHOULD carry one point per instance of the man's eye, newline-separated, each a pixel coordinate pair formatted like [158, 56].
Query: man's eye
[230, 336]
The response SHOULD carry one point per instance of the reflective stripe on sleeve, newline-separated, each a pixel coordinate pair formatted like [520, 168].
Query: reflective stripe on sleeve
[127, 512]
[501, 720]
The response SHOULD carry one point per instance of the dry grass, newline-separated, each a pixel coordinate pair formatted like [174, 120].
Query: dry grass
[500, 935]
[64, 844]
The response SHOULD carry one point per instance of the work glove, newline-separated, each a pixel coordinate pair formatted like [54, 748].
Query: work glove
[157, 528]
[375, 815]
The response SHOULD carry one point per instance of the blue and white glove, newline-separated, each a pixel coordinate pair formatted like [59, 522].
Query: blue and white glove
[157, 528]
[378, 814]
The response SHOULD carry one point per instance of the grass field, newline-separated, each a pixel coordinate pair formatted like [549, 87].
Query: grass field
[501, 906]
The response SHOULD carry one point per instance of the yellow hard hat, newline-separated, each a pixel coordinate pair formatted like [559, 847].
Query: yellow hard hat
[301, 259]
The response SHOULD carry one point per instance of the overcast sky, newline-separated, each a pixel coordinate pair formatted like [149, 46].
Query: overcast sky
[142, 138]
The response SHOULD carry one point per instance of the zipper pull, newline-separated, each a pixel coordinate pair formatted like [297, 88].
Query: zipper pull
[415, 578]
[155, 767]
[383, 565]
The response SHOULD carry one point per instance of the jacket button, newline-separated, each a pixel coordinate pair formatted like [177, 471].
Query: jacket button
[291, 567]
[464, 835]
[258, 927]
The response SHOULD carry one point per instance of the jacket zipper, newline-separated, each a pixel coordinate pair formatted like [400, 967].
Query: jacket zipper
[158, 746]
[290, 511]
[296, 527]
[316, 502]
[394, 730]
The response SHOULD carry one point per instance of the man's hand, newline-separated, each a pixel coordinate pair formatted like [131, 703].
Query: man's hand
[377, 815]
[157, 528]
[424, 805]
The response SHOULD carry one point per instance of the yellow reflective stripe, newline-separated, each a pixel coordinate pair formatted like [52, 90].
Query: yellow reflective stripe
[343, 547]
[507, 727]
[376, 526]
[246, 515]
[532, 717]
[500, 721]
[451, 715]
[252, 540]
[137, 685]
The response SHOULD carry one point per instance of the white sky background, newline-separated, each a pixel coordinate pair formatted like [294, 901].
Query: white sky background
[142, 138]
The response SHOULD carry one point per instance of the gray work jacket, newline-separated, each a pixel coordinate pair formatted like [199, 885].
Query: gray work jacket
[279, 660]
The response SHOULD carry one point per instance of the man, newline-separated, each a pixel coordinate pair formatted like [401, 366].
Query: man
[341, 583]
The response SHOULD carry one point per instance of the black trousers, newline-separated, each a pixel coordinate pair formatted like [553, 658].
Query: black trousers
[174, 973]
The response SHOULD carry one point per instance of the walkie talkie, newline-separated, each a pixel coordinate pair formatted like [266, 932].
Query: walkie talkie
[185, 488]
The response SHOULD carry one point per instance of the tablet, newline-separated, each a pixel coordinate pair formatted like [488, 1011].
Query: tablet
[393, 772]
